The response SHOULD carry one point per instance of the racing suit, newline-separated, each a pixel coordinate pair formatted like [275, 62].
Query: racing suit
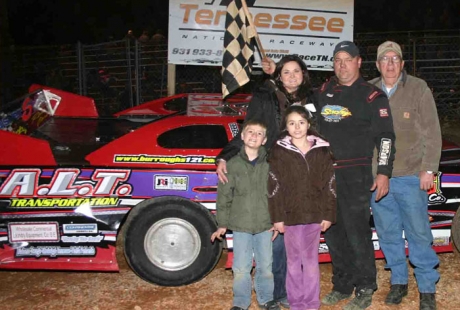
[355, 119]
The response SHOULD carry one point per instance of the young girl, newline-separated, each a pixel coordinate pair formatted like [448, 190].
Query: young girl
[302, 202]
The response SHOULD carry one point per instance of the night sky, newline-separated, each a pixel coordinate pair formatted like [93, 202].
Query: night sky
[37, 22]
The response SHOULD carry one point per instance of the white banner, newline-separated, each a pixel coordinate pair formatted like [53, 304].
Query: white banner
[308, 28]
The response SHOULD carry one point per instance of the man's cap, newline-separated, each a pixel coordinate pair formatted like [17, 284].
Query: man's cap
[348, 47]
[388, 46]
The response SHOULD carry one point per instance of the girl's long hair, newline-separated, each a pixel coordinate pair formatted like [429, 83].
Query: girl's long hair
[304, 90]
[304, 113]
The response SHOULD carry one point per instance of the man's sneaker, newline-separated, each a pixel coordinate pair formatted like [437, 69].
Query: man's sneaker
[334, 297]
[396, 294]
[427, 301]
[271, 305]
[237, 308]
[362, 300]
[284, 303]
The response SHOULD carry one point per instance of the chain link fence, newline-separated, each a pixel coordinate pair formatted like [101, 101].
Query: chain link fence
[121, 74]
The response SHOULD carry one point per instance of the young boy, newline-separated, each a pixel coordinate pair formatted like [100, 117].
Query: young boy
[242, 207]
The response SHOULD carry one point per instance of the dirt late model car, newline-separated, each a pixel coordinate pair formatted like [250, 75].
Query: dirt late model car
[72, 184]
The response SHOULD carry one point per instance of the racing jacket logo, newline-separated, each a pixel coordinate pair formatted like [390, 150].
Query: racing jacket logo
[435, 195]
[335, 113]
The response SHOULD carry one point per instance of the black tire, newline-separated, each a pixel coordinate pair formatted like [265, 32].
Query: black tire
[168, 241]
[455, 232]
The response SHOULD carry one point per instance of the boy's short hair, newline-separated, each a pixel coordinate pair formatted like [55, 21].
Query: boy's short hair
[254, 122]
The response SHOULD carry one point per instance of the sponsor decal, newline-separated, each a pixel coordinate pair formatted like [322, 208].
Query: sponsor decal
[79, 228]
[63, 202]
[385, 149]
[55, 251]
[82, 239]
[335, 113]
[165, 182]
[323, 248]
[36, 232]
[435, 195]
[383, 112]
[65, 183]
[234, 129]
[376, 245]
[160, 159]
[441, 241]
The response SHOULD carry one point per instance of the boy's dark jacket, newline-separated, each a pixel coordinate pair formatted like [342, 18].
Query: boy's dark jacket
[301, 188]
[242, 202]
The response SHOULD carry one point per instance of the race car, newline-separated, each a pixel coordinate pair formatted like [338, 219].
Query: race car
[73, 183]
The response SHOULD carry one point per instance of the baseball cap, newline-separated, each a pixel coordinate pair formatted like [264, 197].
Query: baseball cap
[388, 46]
[348, 47]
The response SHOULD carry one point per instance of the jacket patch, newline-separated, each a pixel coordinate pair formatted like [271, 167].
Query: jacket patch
[373, 95]
[385, 149]
[406, 115]
[335, 113]
[383, 112]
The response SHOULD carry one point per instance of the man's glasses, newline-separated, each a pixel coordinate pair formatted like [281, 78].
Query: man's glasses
[394, 59]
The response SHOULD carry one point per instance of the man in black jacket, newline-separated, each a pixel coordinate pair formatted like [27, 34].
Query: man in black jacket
[355, 118]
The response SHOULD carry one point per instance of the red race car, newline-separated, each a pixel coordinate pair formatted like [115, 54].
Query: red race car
[72, 183]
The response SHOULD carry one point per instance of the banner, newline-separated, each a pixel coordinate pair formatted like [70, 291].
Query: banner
[308, 28]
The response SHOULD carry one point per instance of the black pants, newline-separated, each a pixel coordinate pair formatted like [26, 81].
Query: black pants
[350, 239]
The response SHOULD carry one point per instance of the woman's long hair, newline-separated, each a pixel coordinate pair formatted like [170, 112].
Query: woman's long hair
[304, 90]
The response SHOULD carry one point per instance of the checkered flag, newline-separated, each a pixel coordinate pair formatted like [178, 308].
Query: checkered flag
[238, 47]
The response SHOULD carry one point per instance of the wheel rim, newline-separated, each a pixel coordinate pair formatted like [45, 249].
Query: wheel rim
[172, 244]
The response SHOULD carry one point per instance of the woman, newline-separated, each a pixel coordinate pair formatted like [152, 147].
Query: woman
[291, 85]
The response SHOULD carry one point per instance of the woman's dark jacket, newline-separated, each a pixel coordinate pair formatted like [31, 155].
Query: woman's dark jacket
[266, 105]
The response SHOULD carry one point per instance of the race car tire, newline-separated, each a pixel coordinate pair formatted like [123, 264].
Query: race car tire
[455, 231]
[167, 241]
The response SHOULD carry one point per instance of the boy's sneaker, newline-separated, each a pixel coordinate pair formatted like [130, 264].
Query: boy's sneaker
[334, 297]
[271, 305]
[427, 301]
[396, 294]
[362, 300]
[284, 303]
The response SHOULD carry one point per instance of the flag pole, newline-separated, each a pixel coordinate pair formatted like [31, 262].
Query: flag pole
[260, 48]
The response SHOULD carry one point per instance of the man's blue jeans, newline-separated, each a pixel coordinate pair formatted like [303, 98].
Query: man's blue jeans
[244, 246]
[406, 208]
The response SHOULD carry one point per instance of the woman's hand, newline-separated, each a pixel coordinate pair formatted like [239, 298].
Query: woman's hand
[268, 65]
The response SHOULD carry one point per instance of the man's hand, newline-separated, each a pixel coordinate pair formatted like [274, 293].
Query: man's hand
[268, 65]
[381, 184]
[221, 171]
[218, 234]
[426, 180]
[325, 225]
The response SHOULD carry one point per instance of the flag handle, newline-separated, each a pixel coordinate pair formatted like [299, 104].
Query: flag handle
[260, 48]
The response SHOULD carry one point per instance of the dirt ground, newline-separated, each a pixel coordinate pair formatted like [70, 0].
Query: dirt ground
[124, 290]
